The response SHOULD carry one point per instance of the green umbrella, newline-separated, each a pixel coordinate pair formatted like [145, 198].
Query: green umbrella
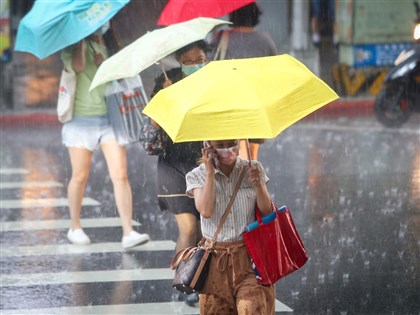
[152, 47]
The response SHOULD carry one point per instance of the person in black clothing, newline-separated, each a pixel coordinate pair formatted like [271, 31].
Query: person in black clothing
[180, 158]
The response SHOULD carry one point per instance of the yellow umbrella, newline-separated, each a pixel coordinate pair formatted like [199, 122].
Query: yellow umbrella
[239, 99]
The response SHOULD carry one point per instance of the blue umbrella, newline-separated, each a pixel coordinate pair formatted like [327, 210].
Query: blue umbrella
[53, 25]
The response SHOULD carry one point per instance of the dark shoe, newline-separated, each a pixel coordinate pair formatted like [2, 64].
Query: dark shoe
[192, 299]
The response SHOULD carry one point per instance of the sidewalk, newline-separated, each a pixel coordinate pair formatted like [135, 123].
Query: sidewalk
[344, 107]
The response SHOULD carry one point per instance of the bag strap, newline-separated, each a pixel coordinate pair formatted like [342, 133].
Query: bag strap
[222, 47]
[229, 206]
[200, 267]
[183, 254]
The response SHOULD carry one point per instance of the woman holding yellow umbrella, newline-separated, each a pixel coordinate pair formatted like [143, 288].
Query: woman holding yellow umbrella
[240, 99]
[211, 184]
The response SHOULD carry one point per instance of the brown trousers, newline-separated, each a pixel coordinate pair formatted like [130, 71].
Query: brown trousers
[231, 286]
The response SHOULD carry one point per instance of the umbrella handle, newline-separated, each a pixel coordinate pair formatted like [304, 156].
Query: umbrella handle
[163, 70]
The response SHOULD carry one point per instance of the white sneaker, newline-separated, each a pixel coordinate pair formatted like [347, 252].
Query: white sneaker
[316, 38]
[78, 237]
[134, 239]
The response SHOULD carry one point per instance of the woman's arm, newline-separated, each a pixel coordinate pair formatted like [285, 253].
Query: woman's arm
[78, 61]
[260, 188]
[205, 197]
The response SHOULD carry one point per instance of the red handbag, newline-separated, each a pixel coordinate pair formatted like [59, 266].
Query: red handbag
[274, 246]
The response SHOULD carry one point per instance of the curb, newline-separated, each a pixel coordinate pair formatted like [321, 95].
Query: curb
[345, 108]
[19, 120]
[340, 108]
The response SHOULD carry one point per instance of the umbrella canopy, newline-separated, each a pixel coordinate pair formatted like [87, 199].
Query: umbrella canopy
[239, 99]
[54, 25]
[177, 11]
[152, 47]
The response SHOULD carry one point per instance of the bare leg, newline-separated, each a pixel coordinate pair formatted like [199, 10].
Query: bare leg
[314, 25]
[116, 159]
[80, 159]
[188, 231]
[243, 152]
[254, 150]
[316, 36]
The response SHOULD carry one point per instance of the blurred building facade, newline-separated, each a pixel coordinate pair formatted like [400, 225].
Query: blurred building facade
[30, 83]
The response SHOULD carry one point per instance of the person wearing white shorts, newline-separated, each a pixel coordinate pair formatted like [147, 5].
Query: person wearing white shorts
[89, 129]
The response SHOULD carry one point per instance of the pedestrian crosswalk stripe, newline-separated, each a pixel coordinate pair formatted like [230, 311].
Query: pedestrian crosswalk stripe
[281, 307]
[61, 249]
[52, 278]
[10, 185]
[7, 226]
[164, 308]
[13, 171]
[44, 202]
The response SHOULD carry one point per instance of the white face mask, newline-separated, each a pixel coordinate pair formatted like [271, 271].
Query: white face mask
[228, 156]
[102, 30]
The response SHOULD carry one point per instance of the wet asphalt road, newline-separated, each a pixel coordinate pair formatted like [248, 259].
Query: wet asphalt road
[353, 188]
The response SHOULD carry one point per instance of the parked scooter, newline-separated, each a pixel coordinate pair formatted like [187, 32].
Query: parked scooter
[401, 93]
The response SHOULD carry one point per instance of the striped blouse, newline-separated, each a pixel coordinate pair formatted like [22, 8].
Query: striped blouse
[243, 209]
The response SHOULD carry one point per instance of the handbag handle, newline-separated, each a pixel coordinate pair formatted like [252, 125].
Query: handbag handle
[222, 47]
[229, 206]
[182, 255]
[258, 214]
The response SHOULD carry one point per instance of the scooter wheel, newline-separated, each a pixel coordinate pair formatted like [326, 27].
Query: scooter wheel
[392, 108]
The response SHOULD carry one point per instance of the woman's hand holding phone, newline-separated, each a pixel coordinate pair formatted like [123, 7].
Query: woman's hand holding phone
[209, 156]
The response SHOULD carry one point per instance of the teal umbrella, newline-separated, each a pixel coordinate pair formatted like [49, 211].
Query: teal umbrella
[53, 25]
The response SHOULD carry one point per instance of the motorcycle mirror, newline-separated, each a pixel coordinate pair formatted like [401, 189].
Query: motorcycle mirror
[416, 33]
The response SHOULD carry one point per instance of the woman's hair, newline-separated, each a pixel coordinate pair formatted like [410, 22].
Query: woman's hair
[248, 15]
[200, 44]
[111, 41]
